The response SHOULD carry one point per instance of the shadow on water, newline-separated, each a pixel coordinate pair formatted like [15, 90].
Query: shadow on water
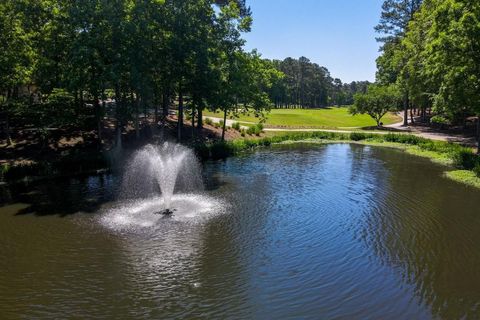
[62, 197]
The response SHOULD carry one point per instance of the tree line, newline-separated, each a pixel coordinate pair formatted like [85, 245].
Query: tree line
[63, 61]
[72, 56]
[431, 54]
[309, 85]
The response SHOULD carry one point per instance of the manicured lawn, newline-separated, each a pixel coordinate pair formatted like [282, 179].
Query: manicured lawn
[334, 117]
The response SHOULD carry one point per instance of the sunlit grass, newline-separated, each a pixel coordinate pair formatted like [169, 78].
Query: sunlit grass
[334, 117]
[464, 176]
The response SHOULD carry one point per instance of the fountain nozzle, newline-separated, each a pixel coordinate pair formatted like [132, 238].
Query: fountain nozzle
[166, 212]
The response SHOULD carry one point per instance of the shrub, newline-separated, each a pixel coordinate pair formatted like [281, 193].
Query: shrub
[4, 169]
[216, 125]
[477, 169]
[466, 159]
[255, 129]
[236, 126]
[403, 138]
[357, 136]
[242, 132]
[438, 119]
[221, 150]
[202, 150]
[208, 121]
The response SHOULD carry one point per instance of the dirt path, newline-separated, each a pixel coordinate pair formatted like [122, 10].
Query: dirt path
[432, 133]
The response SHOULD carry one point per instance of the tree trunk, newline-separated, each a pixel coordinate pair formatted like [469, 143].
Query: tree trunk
[81, 101]
[156, 110]
[405, 110]
[193, 120]
[98, 117]
[165, 102]
[478, 134]
[7, 130]
[412, 121]
[224, 123]
[165, 99]
[180, 114]
[200, 122]
[75, 102]
[118, 108]
[135, 105]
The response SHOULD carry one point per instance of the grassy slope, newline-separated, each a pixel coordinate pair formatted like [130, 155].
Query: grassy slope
[335, 117]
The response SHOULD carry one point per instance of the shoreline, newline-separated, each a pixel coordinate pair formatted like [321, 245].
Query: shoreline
[444, 153]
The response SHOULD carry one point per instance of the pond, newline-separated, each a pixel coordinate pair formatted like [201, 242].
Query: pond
[296, 231]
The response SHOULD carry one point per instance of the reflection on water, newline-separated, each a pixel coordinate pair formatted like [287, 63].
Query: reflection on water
[337, 231]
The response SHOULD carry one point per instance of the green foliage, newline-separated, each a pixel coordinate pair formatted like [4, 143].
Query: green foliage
[465, 177]
[59, 108]
[438, 119]
[377, 102]
[433, 55]
[4, 168]
[396, 14]
[255, 129]
[357, 136]
[236, 126]
[319, 88]
[208, 121]
[17, 56]
[466, 159]
[404, 138]
[476, 169]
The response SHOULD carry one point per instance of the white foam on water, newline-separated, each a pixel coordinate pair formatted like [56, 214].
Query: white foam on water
[143, 213]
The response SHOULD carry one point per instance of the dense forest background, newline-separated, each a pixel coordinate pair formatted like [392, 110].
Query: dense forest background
[73, 63]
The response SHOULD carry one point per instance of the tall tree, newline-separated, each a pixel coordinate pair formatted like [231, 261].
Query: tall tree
[17, 57]
[453, 56]
[394, 20]
[396, 14]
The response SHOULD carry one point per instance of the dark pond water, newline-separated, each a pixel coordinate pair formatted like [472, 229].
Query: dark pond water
[292, 232]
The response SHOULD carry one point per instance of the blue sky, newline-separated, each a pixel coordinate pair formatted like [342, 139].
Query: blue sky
[337, 34]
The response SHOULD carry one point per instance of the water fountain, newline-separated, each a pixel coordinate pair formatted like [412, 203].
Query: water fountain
[159, 169]
[161, 181]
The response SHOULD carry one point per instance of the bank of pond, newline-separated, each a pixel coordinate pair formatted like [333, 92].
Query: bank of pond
[461, 163]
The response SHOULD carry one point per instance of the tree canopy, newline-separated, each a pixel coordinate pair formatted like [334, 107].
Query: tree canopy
[376, 102]
[434, 58]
